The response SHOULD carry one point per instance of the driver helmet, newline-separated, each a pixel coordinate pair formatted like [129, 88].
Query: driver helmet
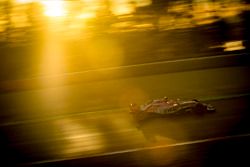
[165, 98]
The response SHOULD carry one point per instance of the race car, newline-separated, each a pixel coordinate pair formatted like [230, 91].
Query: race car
[169, 107]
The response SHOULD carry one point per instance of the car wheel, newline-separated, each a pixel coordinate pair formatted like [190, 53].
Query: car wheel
[199, 109]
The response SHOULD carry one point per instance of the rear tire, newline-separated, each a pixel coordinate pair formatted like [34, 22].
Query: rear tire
[199, 109]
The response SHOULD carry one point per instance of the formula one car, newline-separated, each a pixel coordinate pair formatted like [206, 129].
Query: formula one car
[169, 107]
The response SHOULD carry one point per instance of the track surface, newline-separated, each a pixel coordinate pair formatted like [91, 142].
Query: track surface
[75, 125]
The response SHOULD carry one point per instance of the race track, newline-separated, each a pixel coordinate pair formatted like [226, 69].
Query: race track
[89, 123]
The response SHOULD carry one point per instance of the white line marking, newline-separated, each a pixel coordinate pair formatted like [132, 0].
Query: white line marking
[144, 148]
[126, 66]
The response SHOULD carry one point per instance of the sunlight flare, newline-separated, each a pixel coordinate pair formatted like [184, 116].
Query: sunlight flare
[55, 8]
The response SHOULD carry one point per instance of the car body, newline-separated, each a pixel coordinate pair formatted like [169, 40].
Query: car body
[169, 107]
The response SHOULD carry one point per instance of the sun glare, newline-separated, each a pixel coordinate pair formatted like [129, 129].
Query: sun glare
[54, 8]
[23, 1]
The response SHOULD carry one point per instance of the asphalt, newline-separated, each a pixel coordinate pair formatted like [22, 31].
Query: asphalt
[89, 123]
[112, 138]
[111, 73]
[118, 93]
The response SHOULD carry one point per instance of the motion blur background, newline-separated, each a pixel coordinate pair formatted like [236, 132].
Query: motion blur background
[45, 37]
[69, 69]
